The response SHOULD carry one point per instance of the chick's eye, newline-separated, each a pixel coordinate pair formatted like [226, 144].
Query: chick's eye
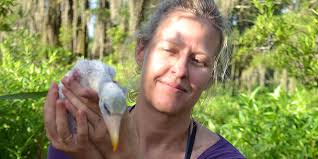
[107, 110]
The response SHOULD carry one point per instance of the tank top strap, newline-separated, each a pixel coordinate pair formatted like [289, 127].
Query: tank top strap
[190, 140]
[131, 108]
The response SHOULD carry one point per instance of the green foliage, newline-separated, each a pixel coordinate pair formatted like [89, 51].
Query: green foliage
[265, 124]
[26, 67]
[5, 10]
[299, 52]
[23, 44]
[5, 7]
[65, 35]
[284, 41]
[117, 37]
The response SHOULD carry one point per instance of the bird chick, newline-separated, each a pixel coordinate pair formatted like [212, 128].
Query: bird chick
[112, 100]
[112, 105]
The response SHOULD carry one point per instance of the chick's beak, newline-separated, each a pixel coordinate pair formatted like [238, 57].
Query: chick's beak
[113, 125]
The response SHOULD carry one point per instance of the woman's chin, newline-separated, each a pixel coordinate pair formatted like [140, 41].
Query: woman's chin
[170, 108]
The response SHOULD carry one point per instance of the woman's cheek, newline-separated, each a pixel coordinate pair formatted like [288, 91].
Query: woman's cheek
[199, 79]
[158, 63]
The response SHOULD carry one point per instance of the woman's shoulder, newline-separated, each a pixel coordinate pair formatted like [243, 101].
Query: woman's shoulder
[210, 145]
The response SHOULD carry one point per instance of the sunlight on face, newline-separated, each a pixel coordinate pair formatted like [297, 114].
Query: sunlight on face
[178, 62]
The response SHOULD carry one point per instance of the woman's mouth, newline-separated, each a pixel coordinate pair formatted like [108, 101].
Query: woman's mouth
[175, 86]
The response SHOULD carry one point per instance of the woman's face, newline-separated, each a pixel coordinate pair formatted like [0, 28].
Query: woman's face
[177, 62]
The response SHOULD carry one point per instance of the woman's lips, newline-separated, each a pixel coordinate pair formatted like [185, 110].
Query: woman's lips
[175, 86]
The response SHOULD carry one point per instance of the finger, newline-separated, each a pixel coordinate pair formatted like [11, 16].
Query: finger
[61, 121]
[49, 112]
[97, 130]
[73, 98]
[91, 131]
[76, 75]
[72, 82]
[73, 110]
[70, 108]
[92, 116]
[87, 95]
[82, 128]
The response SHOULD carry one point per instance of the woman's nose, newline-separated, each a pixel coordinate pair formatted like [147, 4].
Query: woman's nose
[180, 67]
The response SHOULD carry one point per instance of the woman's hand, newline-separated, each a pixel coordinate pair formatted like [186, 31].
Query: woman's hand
[86, 99]
[57, 128]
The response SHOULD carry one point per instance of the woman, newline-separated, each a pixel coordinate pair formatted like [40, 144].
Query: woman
[180, 52]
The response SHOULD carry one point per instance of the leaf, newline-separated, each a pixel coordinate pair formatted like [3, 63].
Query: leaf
[24, 95]
[252, 96]
[276, 93]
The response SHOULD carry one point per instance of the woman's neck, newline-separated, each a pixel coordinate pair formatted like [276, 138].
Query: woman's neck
[155, 129]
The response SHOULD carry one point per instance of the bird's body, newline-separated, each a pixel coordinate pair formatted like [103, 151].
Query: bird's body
[112, 104]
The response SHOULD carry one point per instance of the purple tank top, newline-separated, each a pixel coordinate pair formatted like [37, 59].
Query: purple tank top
[222, 149]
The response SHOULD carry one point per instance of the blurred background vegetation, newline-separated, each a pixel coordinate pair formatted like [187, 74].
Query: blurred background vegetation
[268, 107]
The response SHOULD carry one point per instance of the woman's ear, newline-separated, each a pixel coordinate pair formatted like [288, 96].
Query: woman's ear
[139, 53]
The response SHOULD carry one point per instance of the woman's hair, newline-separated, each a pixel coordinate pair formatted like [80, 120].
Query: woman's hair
[205, 9]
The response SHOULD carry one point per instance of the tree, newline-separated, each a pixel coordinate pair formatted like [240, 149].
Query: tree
[100, 48]
[80, 39]
[50, 14]
[66, 26]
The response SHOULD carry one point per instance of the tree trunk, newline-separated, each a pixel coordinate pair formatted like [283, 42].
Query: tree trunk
[99, 44]
[139, 12]
[54, 22]
[50, 14]
[135, 10]
[66, 27]
[30, 12]
[80, 41]
[115, 6]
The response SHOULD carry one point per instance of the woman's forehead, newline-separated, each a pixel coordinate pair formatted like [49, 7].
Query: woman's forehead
[181, 28]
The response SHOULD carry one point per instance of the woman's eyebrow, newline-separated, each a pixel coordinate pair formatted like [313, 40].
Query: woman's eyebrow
[201, 52]
[172, 41]
[177, 42]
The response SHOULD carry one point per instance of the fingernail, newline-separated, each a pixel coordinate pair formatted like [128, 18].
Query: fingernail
[80, 114]
[76, 75]
[68, 78]
[53, 84]
[67, 106]
[64, 80]
[58, 102]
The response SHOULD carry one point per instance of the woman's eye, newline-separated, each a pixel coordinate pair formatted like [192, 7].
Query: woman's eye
[198, 62]
[169, 50]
